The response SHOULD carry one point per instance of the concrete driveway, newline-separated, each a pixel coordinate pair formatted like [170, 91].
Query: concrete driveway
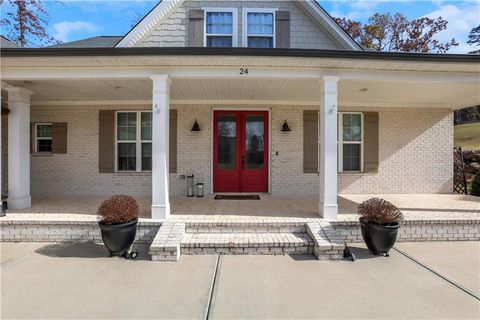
[79, 281]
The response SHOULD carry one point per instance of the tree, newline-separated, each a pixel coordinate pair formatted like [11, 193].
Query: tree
[386, 32]
[27, 22]
[474, 39]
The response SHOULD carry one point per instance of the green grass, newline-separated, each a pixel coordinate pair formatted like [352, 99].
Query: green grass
[467, 136]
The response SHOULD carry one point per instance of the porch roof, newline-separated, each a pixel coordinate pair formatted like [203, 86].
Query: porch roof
[211, 76]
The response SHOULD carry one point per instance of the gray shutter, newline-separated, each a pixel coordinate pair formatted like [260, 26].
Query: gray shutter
[282, 29]
[173, 142]
[106, 141]
[195, 37]
[59, 137]
[310, 141]
[371, 142]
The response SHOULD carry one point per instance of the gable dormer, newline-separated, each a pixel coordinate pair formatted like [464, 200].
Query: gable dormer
[261, 24]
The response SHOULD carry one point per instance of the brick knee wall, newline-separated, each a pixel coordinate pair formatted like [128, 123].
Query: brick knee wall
[420, 231]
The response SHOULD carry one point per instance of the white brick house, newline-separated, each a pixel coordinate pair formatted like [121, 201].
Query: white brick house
[113, 115]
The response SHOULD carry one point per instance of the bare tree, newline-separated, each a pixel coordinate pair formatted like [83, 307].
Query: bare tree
[386, 32]
[27, 23]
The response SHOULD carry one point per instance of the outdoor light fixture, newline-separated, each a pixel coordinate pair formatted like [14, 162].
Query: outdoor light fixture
[195, 127]
[285, 127]
[363, 89]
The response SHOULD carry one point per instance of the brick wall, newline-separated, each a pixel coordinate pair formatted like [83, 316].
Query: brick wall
[415, 154]
[173, 31]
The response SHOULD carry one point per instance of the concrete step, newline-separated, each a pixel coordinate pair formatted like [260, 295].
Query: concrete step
[246, 243]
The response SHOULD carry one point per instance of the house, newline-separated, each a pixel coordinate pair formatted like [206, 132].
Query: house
[248, 96]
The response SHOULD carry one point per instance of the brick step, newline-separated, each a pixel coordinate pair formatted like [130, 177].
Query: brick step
[245, 227]
[246, 243]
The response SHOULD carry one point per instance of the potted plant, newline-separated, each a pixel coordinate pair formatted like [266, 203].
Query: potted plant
[118, 224]
[379, 221]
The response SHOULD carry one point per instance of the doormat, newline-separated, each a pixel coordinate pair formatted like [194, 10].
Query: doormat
[237, 197]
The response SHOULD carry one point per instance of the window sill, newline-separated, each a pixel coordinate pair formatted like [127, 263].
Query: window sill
[356, 173]
[133, 173]
[44, 154]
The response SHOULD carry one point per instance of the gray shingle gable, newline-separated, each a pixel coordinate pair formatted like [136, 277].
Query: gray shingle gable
[95, 42]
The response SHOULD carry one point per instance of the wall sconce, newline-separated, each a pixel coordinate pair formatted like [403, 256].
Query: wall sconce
[285, 127]
[195, 127]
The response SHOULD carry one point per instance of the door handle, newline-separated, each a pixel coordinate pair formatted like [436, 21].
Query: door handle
[243, 162]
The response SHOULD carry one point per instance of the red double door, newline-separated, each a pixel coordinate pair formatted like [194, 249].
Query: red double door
[240, 157]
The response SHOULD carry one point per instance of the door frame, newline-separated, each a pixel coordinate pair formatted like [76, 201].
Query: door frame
[212, 141]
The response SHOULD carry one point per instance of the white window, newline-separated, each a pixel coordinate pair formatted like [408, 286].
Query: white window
[134, 141]
[350, 141]
[43, 137]
[220, 27]
[259, 28]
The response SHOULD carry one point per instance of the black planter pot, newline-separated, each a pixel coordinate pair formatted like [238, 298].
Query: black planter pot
[379, 238]
[118, 237]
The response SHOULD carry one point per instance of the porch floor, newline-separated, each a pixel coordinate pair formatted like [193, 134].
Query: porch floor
[412, 205]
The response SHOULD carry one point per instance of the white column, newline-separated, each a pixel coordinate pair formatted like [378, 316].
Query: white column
[160, 137]
[328, 149]
[19, 148]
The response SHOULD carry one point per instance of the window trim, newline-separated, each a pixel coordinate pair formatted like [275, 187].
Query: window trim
[138, 142]
[43, 138]
[234, 34]
[340, 142]
[245, 34]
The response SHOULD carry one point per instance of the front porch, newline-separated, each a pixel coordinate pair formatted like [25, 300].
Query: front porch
[418, 206]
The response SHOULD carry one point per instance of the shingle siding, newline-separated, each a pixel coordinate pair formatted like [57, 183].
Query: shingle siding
[415, 154]
[173, 30]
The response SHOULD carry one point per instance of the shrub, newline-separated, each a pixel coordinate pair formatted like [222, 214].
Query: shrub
[475, 190]
[379, 211]
[118, 209]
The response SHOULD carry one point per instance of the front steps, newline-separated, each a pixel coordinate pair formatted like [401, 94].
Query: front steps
[265, 237]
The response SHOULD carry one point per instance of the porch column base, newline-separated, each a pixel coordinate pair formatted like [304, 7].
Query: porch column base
[328, 211]
[20, 203]
[161, 211]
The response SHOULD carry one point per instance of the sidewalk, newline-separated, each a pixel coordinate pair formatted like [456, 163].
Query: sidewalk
[78, 281]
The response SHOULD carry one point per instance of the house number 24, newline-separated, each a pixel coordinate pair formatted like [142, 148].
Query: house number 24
[243, 71]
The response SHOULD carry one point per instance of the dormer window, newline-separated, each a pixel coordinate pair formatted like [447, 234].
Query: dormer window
[260, 28]
[220, 27]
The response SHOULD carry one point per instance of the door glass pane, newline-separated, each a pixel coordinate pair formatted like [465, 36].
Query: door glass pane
[146, 126]
[127, 126]
[146, 156]
[227, 141]
[254, 142]
[127, 157]
[351, 157]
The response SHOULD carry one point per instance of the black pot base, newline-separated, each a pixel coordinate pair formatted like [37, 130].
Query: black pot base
[118, 239]
[379, 239]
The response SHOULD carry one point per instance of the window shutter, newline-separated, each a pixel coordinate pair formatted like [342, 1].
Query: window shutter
[371, 142]
[282, 29]
[32, 137]
[173, 142]
[196, 27]
[106, 141]
[310, 141]
[59, 137]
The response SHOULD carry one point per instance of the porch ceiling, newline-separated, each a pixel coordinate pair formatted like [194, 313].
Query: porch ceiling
[256, 90]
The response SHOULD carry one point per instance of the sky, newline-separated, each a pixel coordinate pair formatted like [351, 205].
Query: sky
[73, 20]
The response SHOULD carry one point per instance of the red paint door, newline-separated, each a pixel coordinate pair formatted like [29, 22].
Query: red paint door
[240, 151]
